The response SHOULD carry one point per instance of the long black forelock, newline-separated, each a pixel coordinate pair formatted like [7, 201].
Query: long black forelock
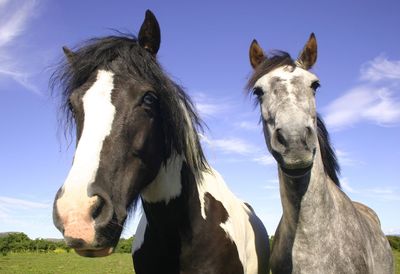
[329, 159]
[99, 53]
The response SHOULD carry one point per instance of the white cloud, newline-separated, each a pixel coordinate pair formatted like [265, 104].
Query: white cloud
[208, 106]
[392, 231]
[16, 19]
[22, 78]
[345, 159]
[15, 203]
[363, 103]
[247, 152]
[16, 212]
[374, 100]
[346, 186]
[380, 69]
[3, 3]
[230, 145]
[383, 193]
[15, 16]
[253, 126]
[265, 160]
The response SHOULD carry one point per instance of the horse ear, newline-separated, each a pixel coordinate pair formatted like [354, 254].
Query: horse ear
[256, 54]
[149, 34]
[308, 55]
[69, 54]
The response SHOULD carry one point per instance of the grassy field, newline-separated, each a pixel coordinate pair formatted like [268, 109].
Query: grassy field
[397, 261]
[71, 263]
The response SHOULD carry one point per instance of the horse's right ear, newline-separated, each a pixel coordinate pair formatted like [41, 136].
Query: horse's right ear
[149, 35]
[256, 54]
[69, 54]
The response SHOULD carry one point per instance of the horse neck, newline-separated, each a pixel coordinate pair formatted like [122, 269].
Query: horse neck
[306, 198]
[167, 200]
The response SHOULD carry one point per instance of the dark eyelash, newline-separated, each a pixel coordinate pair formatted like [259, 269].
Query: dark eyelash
[315, 85]
[258, 92]
[70, 106]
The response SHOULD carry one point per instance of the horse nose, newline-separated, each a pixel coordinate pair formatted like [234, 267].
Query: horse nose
[79, 216]
[284, 139]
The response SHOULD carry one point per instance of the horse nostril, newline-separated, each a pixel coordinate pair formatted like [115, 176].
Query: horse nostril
[309, 131]
[98, 207]
[308, 136]
[280, 137]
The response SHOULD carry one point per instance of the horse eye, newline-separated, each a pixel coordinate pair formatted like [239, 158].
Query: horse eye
[150, 98]
[258, 92]
[315, 85]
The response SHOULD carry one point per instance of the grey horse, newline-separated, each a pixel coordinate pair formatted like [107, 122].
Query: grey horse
[321, 229]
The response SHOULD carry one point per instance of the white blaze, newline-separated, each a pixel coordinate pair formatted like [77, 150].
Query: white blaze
[98, 119]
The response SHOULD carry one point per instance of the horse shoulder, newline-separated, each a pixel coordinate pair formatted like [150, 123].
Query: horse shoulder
[372, 240]
[367, 212]
[241, 226]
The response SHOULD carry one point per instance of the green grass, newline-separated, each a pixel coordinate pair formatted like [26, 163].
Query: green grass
[396, 261]
[71, 263]
[51, 263]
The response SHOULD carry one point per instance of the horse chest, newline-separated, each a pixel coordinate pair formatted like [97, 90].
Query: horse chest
[328, 252]
[201, 253]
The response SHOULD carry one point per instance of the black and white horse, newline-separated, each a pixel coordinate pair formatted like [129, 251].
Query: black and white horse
[321, 229]
[137, 139]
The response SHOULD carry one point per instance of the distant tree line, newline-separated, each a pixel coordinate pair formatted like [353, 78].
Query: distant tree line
[19, 242]
[394, 242]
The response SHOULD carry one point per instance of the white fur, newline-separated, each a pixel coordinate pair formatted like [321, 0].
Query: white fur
[291, 108]
[99, 116]
[167, 185]
[237, 227]
[140, 232]
[286, 74]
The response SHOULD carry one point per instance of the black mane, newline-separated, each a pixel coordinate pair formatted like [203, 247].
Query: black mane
[329, 159]
[175, 106]
[331, 164]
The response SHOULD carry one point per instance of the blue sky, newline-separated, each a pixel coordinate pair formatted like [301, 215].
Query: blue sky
[205, 49]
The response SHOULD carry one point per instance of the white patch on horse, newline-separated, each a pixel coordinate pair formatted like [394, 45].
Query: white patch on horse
[99, 116]
[237, 226]
[139, 235]
[167, 184]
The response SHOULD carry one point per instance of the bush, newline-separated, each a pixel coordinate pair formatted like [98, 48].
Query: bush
[20, 242]
[59, 250]
[124, 245]
[394, 242]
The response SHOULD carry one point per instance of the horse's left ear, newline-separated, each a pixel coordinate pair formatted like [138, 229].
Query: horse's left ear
[149, 35]
[69, 54]
[308, 55]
